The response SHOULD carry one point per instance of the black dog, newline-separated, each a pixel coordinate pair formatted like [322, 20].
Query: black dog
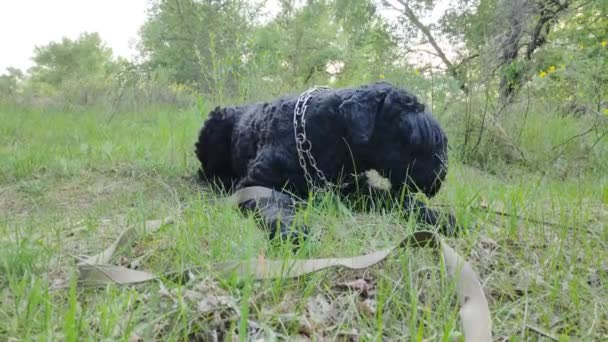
[347, 131]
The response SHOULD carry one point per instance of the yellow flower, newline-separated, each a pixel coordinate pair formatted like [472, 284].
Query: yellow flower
[381, 76]
[417, 72]
[551, 69]
[605, 111]
[542, 74]
[604, 43]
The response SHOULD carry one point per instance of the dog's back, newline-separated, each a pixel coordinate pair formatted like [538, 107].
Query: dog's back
[349, 130]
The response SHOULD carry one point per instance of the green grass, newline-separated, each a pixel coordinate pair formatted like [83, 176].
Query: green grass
[71, 182]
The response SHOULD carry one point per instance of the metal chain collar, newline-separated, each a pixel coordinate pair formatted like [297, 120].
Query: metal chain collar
[303, 144]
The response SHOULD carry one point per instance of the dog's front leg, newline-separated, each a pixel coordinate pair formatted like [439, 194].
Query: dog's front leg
[276, 214]
[446, 222]
[378, 192]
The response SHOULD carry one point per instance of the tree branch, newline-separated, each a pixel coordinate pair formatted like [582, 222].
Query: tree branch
[411, 16]
[543, 25]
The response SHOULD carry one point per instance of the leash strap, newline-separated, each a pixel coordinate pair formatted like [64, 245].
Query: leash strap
[474, 310]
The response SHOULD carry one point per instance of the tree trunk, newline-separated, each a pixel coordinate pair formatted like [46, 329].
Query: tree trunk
[548, 12]
[510, 80]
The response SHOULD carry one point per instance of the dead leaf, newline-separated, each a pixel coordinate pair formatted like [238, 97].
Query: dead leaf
[221, 308]
[193, 296]
[135, 338]
[319, 310]
[135, 264]
[595, 275]
[299, 338]
[362, 286]
[368, 307]
[123, 261]
[350, 336]
[164, 292]
[305, 326]
[487, 244]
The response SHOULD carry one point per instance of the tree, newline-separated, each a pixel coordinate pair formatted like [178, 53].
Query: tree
[369, 43]
[9, 82]
[505, 33]
[410, 14]
[198, 43]
[529, 24]
[86, 58]
[297, 45]
[574, 57]
[323, 41]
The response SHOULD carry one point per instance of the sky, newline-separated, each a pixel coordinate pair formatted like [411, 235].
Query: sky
[25, 24]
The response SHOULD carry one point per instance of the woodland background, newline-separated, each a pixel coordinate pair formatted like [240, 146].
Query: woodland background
[91, 144]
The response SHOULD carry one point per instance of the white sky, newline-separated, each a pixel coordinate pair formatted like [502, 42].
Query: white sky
[25, 24]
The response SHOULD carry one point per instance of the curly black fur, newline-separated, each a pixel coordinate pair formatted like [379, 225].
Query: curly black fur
[376, 126]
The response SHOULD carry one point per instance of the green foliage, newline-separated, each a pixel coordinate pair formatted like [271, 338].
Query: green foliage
[298, 45]
[75, 72]
[370, 45]
[468, 22]
[9, 83]
[60, 63]
[577, 55]
[217, 48]
[197, 43]
[228, 51]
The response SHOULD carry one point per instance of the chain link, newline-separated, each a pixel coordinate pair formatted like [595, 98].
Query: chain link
[303, 144]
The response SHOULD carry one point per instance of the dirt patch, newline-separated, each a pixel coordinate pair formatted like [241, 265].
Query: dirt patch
[83, 193]
[14, 203]
[66, 196]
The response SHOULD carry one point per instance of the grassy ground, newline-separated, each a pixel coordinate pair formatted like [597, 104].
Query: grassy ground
[69, 183]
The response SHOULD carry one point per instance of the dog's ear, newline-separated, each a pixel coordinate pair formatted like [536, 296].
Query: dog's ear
[360, 112]
[213, 148]
[398, 101]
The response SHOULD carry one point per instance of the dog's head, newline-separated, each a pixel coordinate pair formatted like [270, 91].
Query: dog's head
[399, 138]
[376, 102]
[213, 148]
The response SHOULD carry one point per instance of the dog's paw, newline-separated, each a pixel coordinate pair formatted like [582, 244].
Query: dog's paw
[450, 227]
[295, 234]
